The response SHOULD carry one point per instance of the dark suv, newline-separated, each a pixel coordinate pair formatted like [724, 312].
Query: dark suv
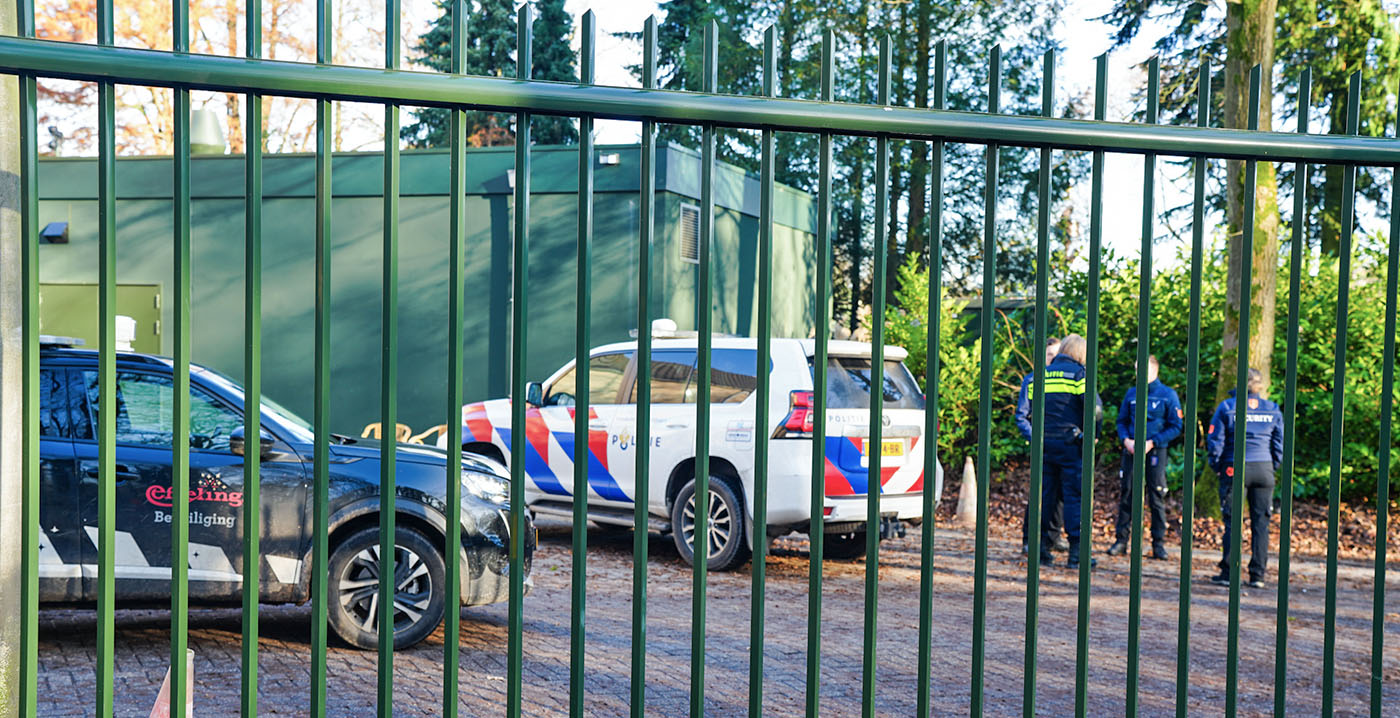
[68, 512]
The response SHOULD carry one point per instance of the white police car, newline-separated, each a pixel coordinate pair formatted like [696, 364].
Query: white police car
[612, 413]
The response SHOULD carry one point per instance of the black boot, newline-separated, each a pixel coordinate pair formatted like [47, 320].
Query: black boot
[1159, 551]
[1073, 561]
[1118, 548]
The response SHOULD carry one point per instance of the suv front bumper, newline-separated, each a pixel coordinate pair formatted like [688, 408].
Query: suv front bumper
[485, 558]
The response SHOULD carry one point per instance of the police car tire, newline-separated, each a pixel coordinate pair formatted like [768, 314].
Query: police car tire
[347, 627]
[850, 545]
[735, 550]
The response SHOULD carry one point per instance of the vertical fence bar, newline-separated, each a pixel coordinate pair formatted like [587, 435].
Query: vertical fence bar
[821, 337]
[180, 437]
[29, 368]
[106, 374]
[984, 410]
[924, 697]
[1091, 388]
[641, 516]
[320, 479]
[1290, 408]
[1193, 368]
[1392, 277]
[1232, 645]
[252, 373]
[874, 445]
[456, 252]
[1144, 335]
[764, 387]
[520, 283]
[582, 409]
[700, 547]
[1339, 383]
[388, 381]
[1042, 292]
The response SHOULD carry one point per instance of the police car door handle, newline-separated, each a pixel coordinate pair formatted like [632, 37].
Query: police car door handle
[597, 426]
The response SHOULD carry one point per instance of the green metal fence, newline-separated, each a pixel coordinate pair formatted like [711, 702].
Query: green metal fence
[391, 86]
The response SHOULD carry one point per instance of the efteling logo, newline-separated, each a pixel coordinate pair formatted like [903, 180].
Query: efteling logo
[161, 496]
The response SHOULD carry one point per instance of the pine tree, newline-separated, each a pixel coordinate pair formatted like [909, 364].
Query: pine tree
[491, 46]
[680, 49]
[970, 30]
[553, 60]
[1336, 38]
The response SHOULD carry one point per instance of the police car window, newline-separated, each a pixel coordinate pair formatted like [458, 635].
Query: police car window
[605, 374]
[53, 403]
[671, 371]
[848, 385]
[732, 375]
[145, 405]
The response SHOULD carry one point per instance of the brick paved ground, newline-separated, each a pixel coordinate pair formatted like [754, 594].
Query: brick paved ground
[66, 644]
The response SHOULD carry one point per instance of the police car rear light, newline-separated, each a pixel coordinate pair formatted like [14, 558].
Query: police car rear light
[826, 511]
[798, 423]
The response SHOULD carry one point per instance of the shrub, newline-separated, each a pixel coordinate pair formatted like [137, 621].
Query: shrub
[960, 353]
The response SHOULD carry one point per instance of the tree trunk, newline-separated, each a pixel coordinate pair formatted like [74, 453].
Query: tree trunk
[787, 38]
[916, 245]
[857, 236]
[1250, 41]
[898, 166]
[892, 253]
[858, 172]
[235, 123]
[1332, 178]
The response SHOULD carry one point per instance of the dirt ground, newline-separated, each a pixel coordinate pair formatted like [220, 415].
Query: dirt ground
[66, 642]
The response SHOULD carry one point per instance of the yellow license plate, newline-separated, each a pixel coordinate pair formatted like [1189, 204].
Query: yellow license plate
[888, 448]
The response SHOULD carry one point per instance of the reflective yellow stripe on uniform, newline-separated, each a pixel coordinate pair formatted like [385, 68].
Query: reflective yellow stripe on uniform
[1056, 385]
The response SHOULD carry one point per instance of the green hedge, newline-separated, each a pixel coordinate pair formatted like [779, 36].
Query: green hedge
[1013, 356]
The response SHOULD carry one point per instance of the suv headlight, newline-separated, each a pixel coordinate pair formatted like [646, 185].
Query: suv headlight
[484, 486]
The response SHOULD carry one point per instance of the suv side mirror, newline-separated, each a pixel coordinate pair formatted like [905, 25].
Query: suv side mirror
[534, 393]
[237, 444]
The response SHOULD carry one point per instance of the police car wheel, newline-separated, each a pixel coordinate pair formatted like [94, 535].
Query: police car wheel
[848, 545]
[419, 573]
[725, 529]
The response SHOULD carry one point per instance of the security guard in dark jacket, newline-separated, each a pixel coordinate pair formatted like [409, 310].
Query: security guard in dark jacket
[1263, 451]
[1064, 440]
[1163, 426]
[1054, 515]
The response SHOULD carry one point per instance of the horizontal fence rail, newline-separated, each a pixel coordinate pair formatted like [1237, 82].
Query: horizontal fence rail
[256, 79]
[362, 84]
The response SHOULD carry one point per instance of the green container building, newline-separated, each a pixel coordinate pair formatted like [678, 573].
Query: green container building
[68, 270]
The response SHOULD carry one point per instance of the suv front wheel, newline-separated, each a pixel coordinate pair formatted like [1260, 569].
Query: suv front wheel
[725, 530]
[353, 593]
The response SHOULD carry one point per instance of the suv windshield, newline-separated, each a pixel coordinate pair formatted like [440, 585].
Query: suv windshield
[299, 427]
[848, 385]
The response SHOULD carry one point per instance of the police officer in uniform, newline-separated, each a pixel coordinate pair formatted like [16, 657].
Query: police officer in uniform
[1054, 517]
[1064, 441]
[1263, 431]
[1163, 425]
